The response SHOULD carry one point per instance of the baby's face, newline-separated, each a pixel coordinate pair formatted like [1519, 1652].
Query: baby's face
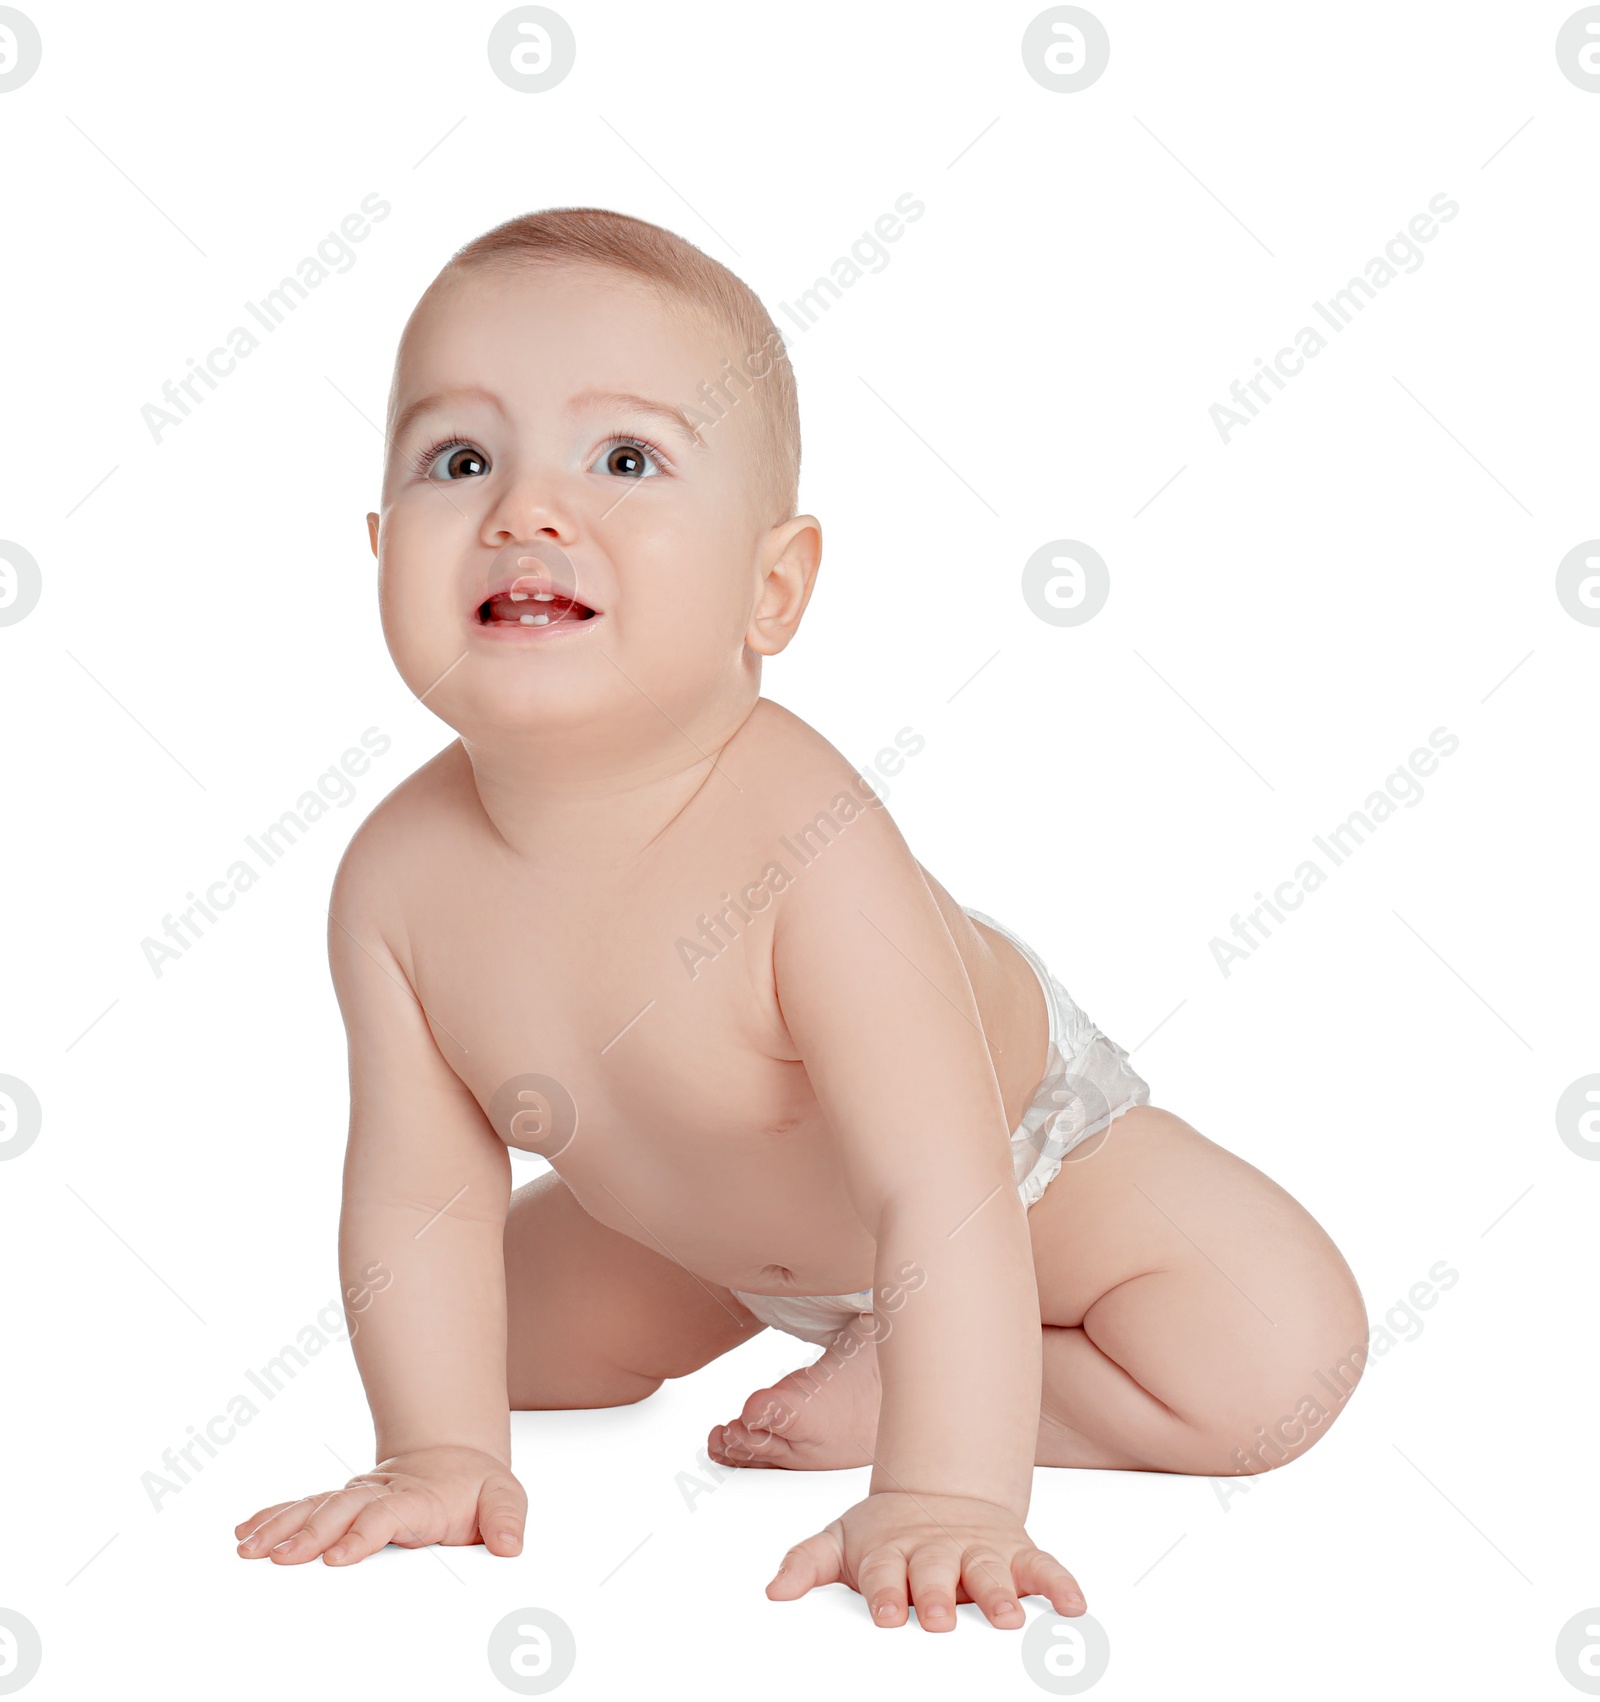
[522, 414]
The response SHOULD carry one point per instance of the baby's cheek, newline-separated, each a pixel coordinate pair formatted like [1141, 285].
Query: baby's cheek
[428, 625]
[415, 638]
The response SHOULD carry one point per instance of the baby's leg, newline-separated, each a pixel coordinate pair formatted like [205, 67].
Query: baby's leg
[1196, 1319]
[595, 1319]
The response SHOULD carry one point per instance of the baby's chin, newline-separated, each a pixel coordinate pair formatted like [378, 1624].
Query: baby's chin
[486, 704]
[559, 679]
[495, 695]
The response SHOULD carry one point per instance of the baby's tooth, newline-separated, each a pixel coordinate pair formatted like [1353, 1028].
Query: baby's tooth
[544, 596]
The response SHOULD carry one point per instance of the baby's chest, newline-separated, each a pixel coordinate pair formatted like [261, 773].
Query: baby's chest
[571, 1025]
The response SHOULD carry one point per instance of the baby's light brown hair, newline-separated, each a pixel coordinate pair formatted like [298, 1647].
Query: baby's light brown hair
[757, 374]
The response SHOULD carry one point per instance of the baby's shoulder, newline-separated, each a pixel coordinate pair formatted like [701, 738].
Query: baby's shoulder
[808, 793]
[412, 834]
[788, 764]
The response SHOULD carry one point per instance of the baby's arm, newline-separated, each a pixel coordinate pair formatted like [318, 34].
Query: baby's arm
[876, 998]
[426, 1185]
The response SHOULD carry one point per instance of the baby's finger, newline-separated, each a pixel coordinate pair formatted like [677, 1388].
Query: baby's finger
[816, 1561]
[881, 1579]
[987, 1578]
[933, 1572]
[502, 1513]
[1040, 1574]
[283, 1521]
[259, 1518]
[373, 1527]
[327, 1521]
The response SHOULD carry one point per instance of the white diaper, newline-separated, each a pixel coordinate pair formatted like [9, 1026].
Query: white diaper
[1087, 1082]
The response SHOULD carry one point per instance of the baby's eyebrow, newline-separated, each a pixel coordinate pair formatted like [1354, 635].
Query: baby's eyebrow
[585, 399]
[675, 417]
[440, 398]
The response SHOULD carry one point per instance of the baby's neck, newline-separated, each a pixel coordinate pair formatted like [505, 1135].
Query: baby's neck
[570, 802]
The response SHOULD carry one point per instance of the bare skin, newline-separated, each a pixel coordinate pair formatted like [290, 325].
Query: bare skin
[806, 1099]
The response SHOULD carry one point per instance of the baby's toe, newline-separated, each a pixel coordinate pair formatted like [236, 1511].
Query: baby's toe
[736, 1444]
[771, 1413]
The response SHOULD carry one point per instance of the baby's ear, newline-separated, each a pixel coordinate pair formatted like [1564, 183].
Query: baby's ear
[372, 531]
[795, 549]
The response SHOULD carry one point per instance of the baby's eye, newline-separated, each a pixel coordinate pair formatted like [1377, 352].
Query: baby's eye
[627, 458]
[454, 460]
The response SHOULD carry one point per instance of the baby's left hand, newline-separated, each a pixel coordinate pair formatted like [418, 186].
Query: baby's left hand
[949, 1548]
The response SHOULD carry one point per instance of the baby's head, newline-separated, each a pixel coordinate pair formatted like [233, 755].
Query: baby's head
[597, 389]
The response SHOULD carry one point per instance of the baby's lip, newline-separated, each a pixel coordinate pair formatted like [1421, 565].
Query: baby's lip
[523, 599]
[531, 586]
[538, 590]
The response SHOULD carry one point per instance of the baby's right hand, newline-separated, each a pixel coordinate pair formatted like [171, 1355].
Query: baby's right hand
[454, 1496]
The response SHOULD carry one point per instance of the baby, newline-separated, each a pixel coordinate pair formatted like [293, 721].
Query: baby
[645, 922]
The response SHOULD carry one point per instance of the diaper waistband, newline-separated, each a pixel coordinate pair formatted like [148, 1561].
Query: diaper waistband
[1035, 962]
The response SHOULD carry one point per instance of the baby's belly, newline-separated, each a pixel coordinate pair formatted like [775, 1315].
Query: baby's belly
[765, 1219]
[703, 1142]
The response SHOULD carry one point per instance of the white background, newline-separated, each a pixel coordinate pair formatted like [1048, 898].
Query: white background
[1292, 615]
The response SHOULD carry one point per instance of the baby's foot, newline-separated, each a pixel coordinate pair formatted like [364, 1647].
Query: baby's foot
[821, 1418]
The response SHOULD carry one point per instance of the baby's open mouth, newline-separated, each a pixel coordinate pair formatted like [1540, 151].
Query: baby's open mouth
[531, 606]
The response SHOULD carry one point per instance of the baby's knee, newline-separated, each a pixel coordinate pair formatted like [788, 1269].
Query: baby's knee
[1301, 1386]
[554, 1388]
